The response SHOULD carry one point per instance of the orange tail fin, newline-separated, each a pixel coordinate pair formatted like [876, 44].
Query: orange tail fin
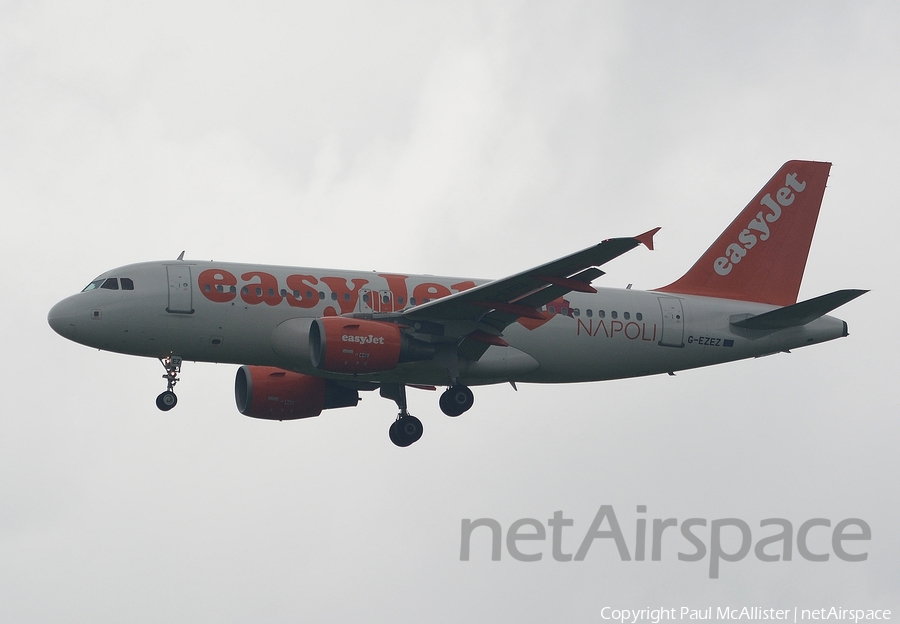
[762, 254]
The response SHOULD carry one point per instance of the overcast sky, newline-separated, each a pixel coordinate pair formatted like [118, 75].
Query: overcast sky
[469, 139]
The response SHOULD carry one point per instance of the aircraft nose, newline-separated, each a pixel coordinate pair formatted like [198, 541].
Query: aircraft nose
[62, 318]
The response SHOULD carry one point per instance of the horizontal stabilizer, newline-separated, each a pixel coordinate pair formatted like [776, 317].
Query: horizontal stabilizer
[798, 313]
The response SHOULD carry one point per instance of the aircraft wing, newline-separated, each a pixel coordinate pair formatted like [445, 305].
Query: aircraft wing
[496, 304]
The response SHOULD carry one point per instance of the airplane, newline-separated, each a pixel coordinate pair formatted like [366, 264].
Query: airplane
[309, 340]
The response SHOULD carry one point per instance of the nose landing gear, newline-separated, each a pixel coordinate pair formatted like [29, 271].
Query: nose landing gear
[167, 400]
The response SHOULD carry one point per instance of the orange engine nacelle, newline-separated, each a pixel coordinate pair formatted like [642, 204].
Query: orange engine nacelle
[276, 394]
[344, 345]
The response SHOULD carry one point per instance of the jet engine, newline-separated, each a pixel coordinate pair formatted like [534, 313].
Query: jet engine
[276, 394]
[346, 345]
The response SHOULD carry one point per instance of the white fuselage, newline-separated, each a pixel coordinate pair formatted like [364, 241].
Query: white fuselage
[190, 310]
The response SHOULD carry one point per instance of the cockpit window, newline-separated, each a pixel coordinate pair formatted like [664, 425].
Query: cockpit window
[110, 283]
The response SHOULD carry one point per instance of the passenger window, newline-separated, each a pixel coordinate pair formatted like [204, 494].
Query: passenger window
[346, 296]
[551, 309]
[614, 314]
[366, 297]
[589, 313]
[576, 311]
[127, 284]
[601, 313]
[639, 316]
[321, 296]
[334, 296]
[412, 301]
[245, 291]
[385, 299]
[627, 315]
[296, 294]
[111, 284]
[399, 300]
[258, 291]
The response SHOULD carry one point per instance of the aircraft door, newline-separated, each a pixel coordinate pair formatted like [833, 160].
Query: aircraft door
[672, 322]
[367, 300]
[386, 299]
[376, 301]
[179, 289]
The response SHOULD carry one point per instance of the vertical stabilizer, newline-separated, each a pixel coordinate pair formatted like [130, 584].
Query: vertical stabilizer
[761, 256]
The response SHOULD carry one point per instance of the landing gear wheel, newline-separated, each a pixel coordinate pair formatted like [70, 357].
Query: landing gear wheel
[456, 400]
[405, 430]
[166, 400]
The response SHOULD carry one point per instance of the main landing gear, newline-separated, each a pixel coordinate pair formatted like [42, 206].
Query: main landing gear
[167, 399]
[407, 428]
[456, 399]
